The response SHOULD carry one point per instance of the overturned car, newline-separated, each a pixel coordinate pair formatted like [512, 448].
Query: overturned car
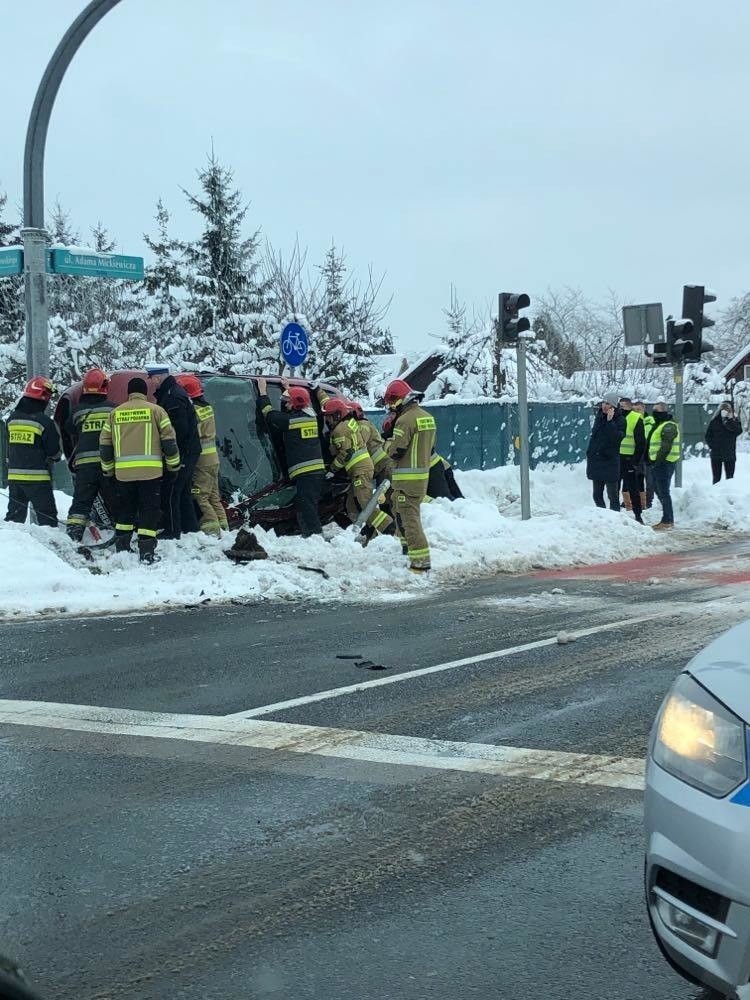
[253, 476]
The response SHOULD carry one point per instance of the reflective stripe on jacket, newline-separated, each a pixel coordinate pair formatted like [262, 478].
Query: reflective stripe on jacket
[347, 449]
[627, 445]
[374, 443]
[33, 444]
[136, 441]
[411, 447]
[86, 426]
[301, 435]
[655, 444]
[209, 457]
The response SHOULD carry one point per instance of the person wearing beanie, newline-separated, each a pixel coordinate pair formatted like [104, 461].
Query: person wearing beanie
[603, 452]
[178, 508]
[632, 451]
[136, 444]
[721, 438]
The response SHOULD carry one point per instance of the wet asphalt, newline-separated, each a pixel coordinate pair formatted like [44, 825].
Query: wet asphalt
[155, 869]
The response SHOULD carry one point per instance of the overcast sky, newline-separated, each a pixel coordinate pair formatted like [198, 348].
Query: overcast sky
[493, 144]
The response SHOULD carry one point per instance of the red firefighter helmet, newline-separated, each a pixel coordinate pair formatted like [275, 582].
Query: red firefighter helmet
[95, 381]
[299, 397]
[39, 387]
[356, 409]
[336, 407]
[397, 392]
[191, 384]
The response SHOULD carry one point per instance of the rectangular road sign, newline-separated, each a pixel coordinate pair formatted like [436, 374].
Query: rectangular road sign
[643, 324]
[95, 265]
[11, 261]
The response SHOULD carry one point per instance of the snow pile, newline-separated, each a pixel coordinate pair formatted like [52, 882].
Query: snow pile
[475, 537]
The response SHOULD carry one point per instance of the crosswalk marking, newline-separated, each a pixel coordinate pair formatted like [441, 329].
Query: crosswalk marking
[345, 744]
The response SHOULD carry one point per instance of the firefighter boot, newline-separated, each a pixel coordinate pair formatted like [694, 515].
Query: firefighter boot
[122, 541]
[147, 549]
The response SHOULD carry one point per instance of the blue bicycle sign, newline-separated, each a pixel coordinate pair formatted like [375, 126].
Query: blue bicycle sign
[294, 344]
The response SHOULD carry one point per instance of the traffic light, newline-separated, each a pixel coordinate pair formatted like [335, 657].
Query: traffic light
[681, 341]
[659, 354]
[511, 324]
[694, 297]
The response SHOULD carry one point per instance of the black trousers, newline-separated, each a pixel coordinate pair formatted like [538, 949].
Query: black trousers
[728, 465]
[613, 493]
[41, 498]
[88, 482]
[138, 507]
[630, 484]
[178, 508]
[309, 487]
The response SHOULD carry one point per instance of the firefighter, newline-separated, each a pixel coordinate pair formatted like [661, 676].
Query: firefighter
[632, 451]
[33, 445]
[84, 427]
[298, 425]
[373, 442]
[137, 441]
[410, 448]
[348, 453]
[205, 487]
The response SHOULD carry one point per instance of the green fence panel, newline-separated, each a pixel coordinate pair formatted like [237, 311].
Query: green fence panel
[484, 435]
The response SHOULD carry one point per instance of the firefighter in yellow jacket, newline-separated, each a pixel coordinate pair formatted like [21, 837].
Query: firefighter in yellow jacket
[349, 454]
[410, 448]
[136, 442]
[373, 441]
[205, 488]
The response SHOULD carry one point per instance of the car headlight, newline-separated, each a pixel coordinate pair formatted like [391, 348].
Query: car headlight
[700, 741]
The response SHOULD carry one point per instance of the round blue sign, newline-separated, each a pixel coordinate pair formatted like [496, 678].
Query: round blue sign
[294, 344]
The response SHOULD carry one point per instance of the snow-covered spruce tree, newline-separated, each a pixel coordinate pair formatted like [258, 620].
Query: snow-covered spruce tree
[228, 324]
[12, 341]
[346, 326]
[164, 287]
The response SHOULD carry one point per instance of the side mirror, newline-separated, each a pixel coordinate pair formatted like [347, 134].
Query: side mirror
[12, 984]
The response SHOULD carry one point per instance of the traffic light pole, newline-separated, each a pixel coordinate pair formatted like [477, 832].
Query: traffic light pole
[523, 429]
[679, 371]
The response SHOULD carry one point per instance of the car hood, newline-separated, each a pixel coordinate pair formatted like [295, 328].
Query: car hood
[723, 668]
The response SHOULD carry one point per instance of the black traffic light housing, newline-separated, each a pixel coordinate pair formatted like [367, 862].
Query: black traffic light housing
[694, 297]
[511, 324]
[682, 341]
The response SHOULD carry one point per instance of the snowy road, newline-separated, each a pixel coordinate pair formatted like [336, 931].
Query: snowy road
[191, 834]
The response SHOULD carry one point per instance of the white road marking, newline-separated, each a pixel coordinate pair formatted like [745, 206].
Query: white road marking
[308, 699]
[346, 744]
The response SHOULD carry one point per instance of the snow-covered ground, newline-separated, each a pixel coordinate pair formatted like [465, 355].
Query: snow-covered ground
[479, 536]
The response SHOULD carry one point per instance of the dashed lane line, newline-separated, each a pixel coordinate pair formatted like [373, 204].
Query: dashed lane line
[308, 699]
[345, 744]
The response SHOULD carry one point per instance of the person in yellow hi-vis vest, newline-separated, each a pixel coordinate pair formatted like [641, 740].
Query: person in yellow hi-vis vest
[410, 448]
[664, 451]
[632, 450]
[205, 486]
[135, 444]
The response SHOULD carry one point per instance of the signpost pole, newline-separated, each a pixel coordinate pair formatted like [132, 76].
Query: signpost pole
[679, 371]
[523, 429]
[34, 234]
[35, 294]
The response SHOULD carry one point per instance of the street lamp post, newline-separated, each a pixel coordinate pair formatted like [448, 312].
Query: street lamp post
[33, 233]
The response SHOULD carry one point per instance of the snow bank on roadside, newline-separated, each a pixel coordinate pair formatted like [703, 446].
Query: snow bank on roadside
[475, 537]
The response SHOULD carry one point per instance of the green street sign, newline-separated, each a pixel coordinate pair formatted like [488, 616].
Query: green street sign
[11, 261]
[95, 265]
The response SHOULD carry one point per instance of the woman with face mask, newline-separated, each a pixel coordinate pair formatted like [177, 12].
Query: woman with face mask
[721, 438]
